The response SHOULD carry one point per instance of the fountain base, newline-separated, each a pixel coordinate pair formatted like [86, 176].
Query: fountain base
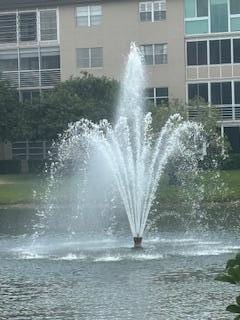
[137, 242]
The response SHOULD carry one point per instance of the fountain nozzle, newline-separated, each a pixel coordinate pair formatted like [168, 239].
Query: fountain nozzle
[137, 242]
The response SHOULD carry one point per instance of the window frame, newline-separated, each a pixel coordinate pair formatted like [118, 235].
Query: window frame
[89, 16]
[155, 97]
[154, 55]
[89, 58]
[162, 3]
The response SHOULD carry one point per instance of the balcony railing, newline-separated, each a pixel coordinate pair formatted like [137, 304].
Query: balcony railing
[32, 78]
[31, 150]
[222, 113]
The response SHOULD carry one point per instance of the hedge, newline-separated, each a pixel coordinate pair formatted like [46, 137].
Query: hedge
[10, 166]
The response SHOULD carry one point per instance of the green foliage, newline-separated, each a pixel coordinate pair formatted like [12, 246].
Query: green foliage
[10, 111]
[10, 166]
[232, 276]
[37, 166]
[232, 162]
[86, 97]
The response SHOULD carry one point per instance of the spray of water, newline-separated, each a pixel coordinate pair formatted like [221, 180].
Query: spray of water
[135, 155]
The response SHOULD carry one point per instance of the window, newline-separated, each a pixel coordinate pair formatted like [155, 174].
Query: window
[23, 26]
[236, 50]
[235, 6]
[152, 11]
[90, 57]
[48, 25]
[219, 15]
[221, 93]
[8, 28]
[29, 59]
[237, 92]
[27, 26]
[198, 92]
[87, 16]
[220, 51]
[50, 58]
[202, 8]
[8, 60]
[155, 54]
[197, 53]
[29, 96]
[196, 8]
[156, 96]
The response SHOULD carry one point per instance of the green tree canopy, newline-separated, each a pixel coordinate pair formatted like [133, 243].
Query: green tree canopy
[85, 97]
[10, 111]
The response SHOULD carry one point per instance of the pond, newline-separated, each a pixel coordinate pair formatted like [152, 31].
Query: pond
[84, 277]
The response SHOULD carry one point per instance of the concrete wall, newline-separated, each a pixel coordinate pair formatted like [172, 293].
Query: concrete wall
[121, 25]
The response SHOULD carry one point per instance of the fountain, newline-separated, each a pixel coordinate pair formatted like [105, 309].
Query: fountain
[136, 156]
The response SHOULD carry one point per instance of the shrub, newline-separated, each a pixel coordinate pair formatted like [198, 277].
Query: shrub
[10, 166]
[232, 275]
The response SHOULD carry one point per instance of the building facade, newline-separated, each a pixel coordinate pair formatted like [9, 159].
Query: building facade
[212, 46]
[191, 47]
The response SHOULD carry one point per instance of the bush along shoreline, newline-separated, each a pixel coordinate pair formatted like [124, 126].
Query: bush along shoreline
[232, 276]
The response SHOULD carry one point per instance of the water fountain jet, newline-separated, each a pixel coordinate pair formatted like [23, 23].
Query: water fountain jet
[135, 155]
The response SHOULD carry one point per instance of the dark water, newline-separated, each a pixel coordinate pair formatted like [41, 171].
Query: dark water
[55, 277]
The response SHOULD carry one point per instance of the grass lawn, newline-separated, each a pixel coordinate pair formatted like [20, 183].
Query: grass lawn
[18, 189]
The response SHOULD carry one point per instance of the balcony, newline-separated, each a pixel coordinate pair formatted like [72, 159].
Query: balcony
[223, 113]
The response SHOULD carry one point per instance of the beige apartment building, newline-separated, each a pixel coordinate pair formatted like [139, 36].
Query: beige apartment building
[191, 47]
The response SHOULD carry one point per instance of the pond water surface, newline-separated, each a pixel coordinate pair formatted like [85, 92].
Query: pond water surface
[57, 277]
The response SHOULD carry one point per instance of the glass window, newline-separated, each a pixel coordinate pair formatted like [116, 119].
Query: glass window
[145, 11]
[95, 15]
[161, 56]
[226, 93]
[29, 96]
[219, 15]
[8, 60]
[202, 8]
[196, 27]
[152, 10]
[220, 51]
[50, 58]
[237, 92]
[48, 25]
[225, 51]
[83, 58]
[236, 50]
[216, 93]
[82, 16]
[202, 52]
[27, 26]
[8, 28]
[159, 10]
[214, 52]
[235, 6]
[29, 59]
[235, 24]
[161, 95]
[198, 92]
[88, 16]
[197, 53]
[90, 57]
[147, 51]
[221, 93]
[190, 8]
[96, 57]
[156, 96]
[192, 53]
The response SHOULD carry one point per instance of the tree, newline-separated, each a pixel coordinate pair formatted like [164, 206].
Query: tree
[10, 111]
[85, 97]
